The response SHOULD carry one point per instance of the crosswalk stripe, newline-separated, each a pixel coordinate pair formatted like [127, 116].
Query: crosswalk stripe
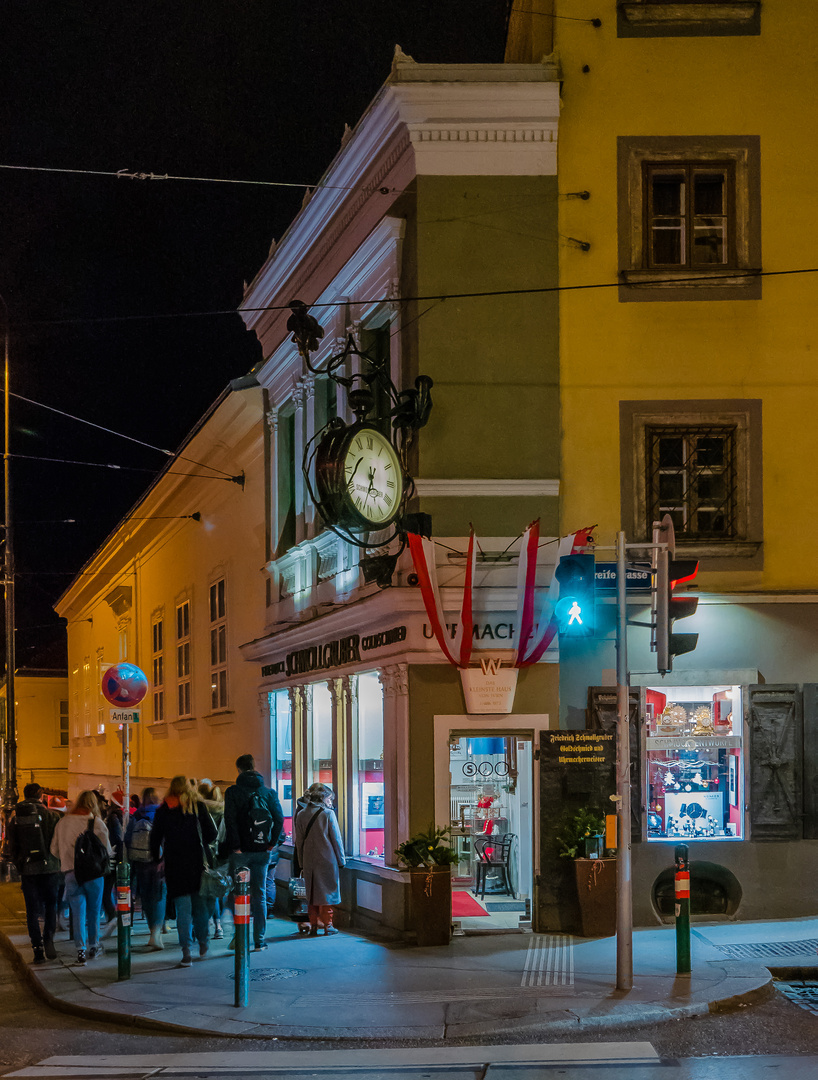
[266, 1061]
[549, 961]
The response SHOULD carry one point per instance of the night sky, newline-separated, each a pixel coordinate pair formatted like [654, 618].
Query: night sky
[237, 89]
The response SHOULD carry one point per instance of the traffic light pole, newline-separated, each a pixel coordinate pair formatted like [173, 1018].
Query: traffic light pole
[624, 895]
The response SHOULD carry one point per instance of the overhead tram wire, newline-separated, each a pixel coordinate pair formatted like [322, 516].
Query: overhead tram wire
[121, 435]
[476, 295]
[124, 468]
[126, 174]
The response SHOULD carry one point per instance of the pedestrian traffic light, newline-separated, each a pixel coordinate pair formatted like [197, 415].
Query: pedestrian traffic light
[667, 608]
[574, 611]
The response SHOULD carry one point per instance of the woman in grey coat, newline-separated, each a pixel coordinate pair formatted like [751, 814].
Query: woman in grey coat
[321, 854]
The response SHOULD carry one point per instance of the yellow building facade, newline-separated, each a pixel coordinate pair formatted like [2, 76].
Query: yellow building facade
[687, 388]
[175, 590]
[41, 713]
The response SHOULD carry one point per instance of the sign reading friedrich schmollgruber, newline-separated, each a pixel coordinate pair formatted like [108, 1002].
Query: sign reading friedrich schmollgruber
[489, 688]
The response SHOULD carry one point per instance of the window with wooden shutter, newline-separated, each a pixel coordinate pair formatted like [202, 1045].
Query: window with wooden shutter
[775, 722]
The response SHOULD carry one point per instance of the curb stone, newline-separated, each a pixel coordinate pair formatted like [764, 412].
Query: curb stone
[569, 1023]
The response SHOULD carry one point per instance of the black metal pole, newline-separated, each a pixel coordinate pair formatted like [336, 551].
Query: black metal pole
[10, 779]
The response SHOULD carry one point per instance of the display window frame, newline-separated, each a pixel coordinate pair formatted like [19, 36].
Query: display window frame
[364, 801]
[694, 763]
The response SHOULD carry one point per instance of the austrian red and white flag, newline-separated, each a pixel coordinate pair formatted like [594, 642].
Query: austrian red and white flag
[457, 647]
[536, 625]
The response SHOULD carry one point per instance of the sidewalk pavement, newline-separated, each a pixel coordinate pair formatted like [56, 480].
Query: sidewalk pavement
[353, 987]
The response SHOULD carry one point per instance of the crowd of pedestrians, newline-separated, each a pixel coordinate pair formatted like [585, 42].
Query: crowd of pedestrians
[67, 859]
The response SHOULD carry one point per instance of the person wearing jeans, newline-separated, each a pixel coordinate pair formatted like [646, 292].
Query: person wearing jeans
[256, 862]
[85, 902]
[192, 911]
[182, 830]
[253, 822]
[30, 831]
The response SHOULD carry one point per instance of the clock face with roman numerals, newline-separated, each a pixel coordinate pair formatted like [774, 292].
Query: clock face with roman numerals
[372, 477]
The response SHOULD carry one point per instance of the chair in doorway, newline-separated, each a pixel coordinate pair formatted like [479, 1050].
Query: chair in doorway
[494, 858]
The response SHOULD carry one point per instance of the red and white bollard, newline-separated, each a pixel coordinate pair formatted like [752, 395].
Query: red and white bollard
[241, 921]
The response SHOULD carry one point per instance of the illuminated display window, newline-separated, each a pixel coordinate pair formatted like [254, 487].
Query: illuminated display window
[695, 763]
[320, 761]
[281, 724]
[368, 791]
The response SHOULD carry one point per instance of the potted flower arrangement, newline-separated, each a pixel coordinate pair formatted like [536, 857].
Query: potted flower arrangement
[429, 858]
[581, 839]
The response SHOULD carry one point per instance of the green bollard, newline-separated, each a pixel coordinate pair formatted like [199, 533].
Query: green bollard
[682, 911]
[241, 922]
[123, 919]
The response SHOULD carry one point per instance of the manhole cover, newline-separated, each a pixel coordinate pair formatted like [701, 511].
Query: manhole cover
[770, 948]
[803, 994]
[273, 974]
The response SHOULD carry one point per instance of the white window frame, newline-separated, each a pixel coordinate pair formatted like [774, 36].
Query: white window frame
[63, 724]
[184, 691]
[217, 608]
[158, 667]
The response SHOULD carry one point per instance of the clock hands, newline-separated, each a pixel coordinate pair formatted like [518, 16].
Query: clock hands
[352, 475]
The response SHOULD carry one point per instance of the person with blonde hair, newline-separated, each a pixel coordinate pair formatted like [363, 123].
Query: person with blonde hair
[83, 892]
[182, 828]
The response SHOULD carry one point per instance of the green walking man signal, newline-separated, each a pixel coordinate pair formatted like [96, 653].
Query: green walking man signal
[574, 611]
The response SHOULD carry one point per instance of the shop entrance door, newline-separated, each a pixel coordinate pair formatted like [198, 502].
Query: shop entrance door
[492, 815]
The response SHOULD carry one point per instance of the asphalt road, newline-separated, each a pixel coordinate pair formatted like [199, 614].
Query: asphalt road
[30, 1032]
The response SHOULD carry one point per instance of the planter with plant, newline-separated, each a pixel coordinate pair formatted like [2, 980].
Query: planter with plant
[429, 858]
[581, 839]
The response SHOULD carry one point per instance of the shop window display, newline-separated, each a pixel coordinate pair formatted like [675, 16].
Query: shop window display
[695, 763]
[282, 742]
[368, 781]
[321, 732]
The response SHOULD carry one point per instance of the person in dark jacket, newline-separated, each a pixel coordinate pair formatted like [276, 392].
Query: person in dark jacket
[29, 842]
[252, 851]
[147, 876]
[182, 828]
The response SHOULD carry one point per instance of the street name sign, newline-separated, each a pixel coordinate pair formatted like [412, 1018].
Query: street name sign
[124, 716]
[637, 578]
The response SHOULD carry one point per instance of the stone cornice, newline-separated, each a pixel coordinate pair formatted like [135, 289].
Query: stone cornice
[471, 489]
[435, 120]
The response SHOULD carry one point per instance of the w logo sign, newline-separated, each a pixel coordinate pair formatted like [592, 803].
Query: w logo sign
[491, 667]
[489, 688]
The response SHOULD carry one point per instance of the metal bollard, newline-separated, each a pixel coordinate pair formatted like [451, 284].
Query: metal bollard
[682, 911]
[241, 922]
[123, 919]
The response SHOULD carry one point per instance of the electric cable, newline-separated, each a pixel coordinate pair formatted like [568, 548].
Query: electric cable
[698, 279]
[123, 468]
[130, 438]
[125, 174]
[550, 15]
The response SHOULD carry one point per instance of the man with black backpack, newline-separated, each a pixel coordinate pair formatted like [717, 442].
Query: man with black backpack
[253, 820]
[30, 832]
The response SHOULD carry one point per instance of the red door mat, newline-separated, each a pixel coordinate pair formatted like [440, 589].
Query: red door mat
[464, 905]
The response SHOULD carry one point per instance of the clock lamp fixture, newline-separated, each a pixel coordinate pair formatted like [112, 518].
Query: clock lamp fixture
[360, 469]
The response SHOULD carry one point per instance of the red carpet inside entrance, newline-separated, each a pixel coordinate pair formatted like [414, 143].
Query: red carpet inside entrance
[464, 906]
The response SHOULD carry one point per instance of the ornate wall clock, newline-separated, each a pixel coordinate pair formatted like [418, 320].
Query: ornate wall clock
[359, 478]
